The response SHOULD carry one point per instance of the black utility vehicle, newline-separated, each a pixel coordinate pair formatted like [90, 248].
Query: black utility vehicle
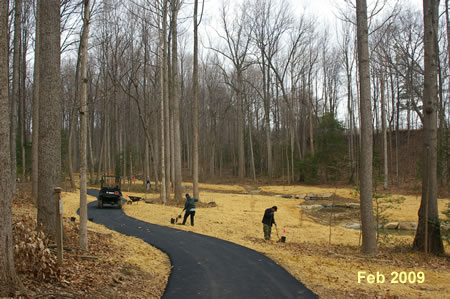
[110, 192]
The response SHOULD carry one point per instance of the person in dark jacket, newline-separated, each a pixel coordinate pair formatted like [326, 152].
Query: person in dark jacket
[189, 207]
[268, 220]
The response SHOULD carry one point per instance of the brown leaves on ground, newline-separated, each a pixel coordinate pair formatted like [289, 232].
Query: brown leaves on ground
[31, 252]
[101, 272]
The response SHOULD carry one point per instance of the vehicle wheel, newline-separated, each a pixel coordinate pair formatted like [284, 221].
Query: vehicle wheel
[99, 203]
[119, 203]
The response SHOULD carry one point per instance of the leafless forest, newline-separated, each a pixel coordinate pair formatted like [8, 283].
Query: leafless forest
[252, 90]
[267, 77]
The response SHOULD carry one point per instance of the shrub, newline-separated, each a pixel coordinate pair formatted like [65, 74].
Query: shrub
[445, 225]
[31, 252]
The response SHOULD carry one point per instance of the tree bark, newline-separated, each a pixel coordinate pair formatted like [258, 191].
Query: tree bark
[369, 242]
[35, 123]
[428, 234]
[72, 124]
[384, 133]
[83, 126]
[9, 281]
[166, 110]
[16, 89]
[195, 137]
[90, 136]
[266, 90]
[162, 67]
[176, 104]
[49, 112]
[250, 141]
[23, 93]
[240, 126]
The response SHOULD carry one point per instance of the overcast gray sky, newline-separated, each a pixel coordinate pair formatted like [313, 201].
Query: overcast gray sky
[324, 10]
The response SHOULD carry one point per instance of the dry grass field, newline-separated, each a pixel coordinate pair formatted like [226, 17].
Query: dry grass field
[326, 259]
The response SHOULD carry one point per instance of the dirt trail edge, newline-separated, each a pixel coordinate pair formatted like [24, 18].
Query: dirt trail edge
[203, 266]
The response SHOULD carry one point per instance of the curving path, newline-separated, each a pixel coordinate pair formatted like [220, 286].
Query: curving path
[206, 267]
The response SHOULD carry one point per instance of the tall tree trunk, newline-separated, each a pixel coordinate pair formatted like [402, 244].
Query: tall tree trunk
[369, 242]
[163, 66]
[146, 109]
[105, 139]
[266, 90]
[176, 104]
[100, 160]
[351, 123]
[195, 137]
[22, 129]
[447, 21]
[49, 112]
[9, 281]
[129, 138]
[117, 123]
[166, 110]
[310, 111]
[240, 126]
[90, 137]
[108, 141]
[16, 89]
[428, 234]
[73, 123]
[83, 126]
[250, 141]
[73, 120]
[443, 124]
[397, 132]
[154, 146]
[384, 133]
[292, 139]
[35, 123]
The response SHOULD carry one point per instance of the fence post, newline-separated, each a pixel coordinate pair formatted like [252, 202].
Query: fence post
[59, 226]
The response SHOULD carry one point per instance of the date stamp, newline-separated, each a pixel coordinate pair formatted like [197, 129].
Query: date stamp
[395, 277]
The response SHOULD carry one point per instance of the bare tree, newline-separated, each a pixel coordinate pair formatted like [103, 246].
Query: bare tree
[49, 112]
[428, 235]
[22, 129]
[195, 137]
[35, 124]
[237, 39]
[369, 242]
[165, 99]
[280, 71]
[83, 125]
[9, 281]
[271, 22]
[16, 88]
[73, 123]
[176, 101]
[348, 59]
[384, 131]
[163, 93]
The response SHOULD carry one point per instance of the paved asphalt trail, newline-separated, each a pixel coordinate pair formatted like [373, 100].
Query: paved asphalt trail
[206, 267]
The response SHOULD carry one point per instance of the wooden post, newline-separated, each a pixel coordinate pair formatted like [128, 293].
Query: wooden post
[59, 226]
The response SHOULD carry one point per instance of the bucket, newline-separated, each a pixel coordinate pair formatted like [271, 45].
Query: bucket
[172, 220]
[283, 239]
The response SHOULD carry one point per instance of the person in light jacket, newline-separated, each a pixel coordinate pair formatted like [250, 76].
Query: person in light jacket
[268, 220]
[189, 207]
